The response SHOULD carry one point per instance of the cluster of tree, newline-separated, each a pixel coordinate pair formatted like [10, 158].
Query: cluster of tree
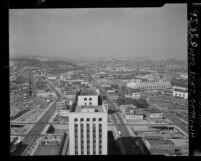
[179, 82]
[140, 103]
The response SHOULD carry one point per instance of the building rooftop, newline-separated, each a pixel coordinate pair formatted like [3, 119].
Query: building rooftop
[151, 110]
[159, 152]
[181, 90]
[88, 91]
[159, 142]
[90, 109]
[129, 106]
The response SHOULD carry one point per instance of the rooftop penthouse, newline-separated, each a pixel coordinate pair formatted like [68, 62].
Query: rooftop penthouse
[88, 109]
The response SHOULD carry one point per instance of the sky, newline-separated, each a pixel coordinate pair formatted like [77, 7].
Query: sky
[156, 33]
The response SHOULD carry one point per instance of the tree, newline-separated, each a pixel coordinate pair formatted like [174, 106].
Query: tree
[51, 129]
[141, 103]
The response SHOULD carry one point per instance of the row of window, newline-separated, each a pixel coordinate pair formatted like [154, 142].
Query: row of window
[180, 94]
[90, 99]
[153, 87]
[88, 150]
[88, 143]
[87, 119]
[88, 135]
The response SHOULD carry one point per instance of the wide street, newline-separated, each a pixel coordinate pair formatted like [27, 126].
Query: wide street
[34, 133]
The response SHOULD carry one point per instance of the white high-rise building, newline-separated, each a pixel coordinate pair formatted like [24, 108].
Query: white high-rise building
[88, 129]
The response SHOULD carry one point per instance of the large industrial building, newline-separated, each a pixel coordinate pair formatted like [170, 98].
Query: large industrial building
[88, 127]
[148, 85]
[159, 146]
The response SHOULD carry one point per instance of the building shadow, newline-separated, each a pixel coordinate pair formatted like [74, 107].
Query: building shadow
[126, 146]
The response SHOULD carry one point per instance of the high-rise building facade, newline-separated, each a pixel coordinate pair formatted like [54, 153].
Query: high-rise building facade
[88, 130]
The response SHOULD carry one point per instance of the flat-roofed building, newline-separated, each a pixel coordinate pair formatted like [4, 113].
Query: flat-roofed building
[181, 92]
[135, 95]
[61, 104]
[64, 112]
[160, 146]
[148, 85]
[128, 112]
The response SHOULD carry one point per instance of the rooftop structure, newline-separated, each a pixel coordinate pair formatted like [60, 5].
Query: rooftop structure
[90, 109]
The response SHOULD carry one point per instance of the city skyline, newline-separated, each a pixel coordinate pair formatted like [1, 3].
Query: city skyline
[157, 33]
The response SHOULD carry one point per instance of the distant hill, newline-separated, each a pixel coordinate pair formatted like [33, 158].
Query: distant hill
[42, 61]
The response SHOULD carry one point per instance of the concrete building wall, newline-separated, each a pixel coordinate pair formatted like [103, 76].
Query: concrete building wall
[88, 100]
[155, 115]
[180, 94]
[88, 125]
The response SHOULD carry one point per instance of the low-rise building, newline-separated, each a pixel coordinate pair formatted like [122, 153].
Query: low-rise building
[63, 112]
[111, 91]
[42, 93]
[155, 115]
[61, 104]
[160, 146]
[134, 117]
[52, 78]
[128, 112]
[132, 95]
[181, 92]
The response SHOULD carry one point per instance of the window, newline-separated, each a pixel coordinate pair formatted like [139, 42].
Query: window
[81, 119]
[85, 99]
[94, 119]
[75, 119]
[100, 119]
[88, 119]
[90, 99]
[90, 103]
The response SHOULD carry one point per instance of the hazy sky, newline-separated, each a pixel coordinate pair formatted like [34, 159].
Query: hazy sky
[100, 32]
